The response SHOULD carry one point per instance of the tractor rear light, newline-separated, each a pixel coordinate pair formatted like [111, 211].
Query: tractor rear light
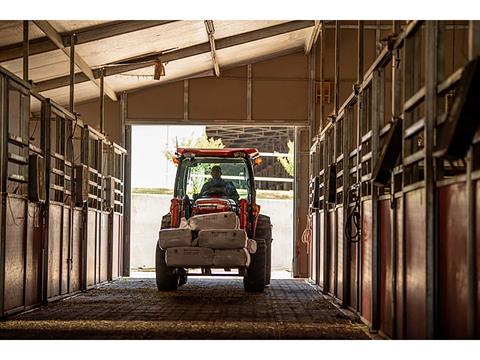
[258, 161]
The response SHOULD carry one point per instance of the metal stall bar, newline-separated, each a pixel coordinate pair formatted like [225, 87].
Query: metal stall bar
[3, 185]
[347, 123]
[431, 214]
[396, 109]
[102, 100]
[26, 48]
[71, 102]
[359, 119]
[337, 68]
[127, 205]
[473, 328]
[377, 113]
[413, 186]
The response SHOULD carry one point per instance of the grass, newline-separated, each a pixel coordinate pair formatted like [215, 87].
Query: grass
[261, 194]
[152, 191]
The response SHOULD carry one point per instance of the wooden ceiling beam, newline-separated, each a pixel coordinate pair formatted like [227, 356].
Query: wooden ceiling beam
[144, 61]
[85, 35]
[56, 38]
[312, 38]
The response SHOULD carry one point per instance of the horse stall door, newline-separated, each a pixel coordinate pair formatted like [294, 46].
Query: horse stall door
[331, 251]
[104, 246]
[353, 274]
[415, 265]
[321, 250]
[15, 211]
[386, 274]
[91, 240]
[65, 263]
[452, 267]
[34, 254]
[116, 223]
[477, 222]
[314, 247]
[76, 255]
[54, 250]
[366, 261]
[400, 268]
[339, 270]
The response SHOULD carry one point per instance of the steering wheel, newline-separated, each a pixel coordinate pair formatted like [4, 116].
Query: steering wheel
[215, 191]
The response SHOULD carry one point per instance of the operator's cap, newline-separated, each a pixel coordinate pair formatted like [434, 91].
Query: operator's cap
[216, 167]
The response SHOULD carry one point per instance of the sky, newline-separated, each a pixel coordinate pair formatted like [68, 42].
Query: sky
[150, 168]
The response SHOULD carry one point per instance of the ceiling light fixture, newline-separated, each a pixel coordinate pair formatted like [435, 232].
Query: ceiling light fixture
[159, 70]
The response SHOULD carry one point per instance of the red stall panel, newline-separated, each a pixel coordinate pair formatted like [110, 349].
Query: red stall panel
[415, 262]
[353, 270]
[34, 254]
[339, 232]
[452, 285]
[54, 249]
[477, 222]
[400, 278]
[366, 264]
[14, 252]
[386, 273]
[331, 251]
[353, 275]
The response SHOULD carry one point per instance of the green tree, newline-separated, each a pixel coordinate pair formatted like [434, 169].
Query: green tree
[288, 162]
[203, 142]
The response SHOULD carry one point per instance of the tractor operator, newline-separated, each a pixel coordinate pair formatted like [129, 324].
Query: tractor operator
[216, 185]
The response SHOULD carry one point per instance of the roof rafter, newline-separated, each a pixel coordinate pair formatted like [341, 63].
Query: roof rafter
[56, 38]
[312, 39]
[85, 35]
[149, 59]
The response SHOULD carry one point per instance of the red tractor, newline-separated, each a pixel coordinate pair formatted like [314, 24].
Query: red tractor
[199, 171]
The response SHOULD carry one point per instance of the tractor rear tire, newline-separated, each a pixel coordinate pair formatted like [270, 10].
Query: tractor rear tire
[166, 280]
[255, 274]
[264, 232]
[182, 273]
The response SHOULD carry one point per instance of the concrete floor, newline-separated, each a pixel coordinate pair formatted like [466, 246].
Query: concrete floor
[204, 308]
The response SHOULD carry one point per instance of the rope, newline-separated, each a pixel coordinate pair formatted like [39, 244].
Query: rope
[353, 220]
[307, 233]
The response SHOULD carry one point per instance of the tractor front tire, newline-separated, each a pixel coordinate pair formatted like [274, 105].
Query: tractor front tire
[255, 275]
[166, 280]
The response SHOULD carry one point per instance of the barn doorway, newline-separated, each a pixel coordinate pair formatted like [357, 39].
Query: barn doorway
[153, 176]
